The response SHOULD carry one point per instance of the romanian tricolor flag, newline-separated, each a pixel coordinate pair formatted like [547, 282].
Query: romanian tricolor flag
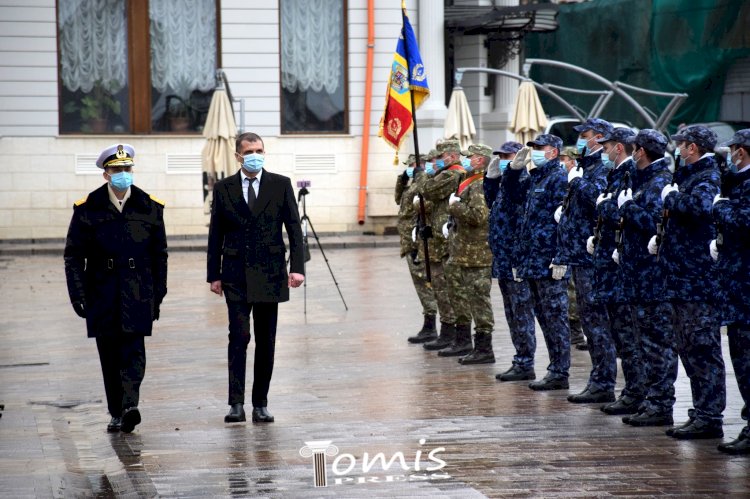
[407, 75]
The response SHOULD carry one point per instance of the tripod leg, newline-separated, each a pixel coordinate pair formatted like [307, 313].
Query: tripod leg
[320, 247]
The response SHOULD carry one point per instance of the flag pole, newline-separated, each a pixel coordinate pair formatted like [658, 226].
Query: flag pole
[426, 231]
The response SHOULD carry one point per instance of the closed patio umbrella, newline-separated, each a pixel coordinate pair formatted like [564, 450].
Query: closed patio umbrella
[459, 123]
[218, 154]
[529, 119]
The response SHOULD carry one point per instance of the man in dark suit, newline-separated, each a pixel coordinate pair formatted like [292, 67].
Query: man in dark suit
[246, 263]
[116, 270]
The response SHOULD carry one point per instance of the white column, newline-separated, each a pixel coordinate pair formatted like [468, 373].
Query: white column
[431, 116]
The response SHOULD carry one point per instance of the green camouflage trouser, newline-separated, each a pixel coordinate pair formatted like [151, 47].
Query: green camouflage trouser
[442, 295]
[470, 295]
[424, 292]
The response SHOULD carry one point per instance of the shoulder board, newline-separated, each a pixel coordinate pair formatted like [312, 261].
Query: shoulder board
[81, 201]
[156, 200]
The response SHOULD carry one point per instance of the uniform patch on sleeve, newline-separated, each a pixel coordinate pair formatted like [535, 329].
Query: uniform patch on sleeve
[81, 201]
[156, 200]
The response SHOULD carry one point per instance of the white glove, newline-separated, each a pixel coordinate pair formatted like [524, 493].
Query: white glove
[714, 250]
[558, 213]
[653, 248]
[616, 256]
[415, 201]
[667, 189]
[558, 271]
[515, 276]
[718, 198]
[453, 199]
[603, 197]
[493, 169]
[522, 157]
[590, 245]
[445, 230]
[414, 235]
[625, 196]
[575, 173]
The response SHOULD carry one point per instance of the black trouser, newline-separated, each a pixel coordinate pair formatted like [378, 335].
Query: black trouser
[264, 319]
[123, 360]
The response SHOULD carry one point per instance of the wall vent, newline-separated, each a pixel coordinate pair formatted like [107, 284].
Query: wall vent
[184, 164]
[315, 163]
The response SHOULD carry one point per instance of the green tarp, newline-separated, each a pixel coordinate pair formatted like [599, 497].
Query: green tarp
[664, 45]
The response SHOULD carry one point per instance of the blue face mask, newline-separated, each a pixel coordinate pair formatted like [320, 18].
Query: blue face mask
[581, 144]
[466, 164]
[607, 162]
[439, 164]
[503, 164]
[253, 162]
[538, 158]
[410, 171]
[121, 181]
[429, 168]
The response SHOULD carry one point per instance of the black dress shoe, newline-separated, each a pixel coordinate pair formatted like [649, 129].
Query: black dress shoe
[698, 430]
[670, 431]
[743, 412]
[550, 382]
[236, 414]
[131, 417]
[261, 415]
[741, 445]
[649, 419]
[623, 405]
[516, 373]
[114, 425]
[589, 396]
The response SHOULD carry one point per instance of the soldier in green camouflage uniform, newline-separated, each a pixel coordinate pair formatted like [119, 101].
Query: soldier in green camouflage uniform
[469, 270]
[436, 191]
[406, 187]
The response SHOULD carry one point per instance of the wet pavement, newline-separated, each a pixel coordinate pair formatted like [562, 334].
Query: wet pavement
[344, 377]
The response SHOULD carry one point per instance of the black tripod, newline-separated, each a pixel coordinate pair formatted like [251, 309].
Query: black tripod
[305, 221]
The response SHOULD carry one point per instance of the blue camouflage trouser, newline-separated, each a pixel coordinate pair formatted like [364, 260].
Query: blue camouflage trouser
[739, 352]
[653, 322]
[698, 338]
[519, 313]
[595, 325]
[550, 298]
[626, 340]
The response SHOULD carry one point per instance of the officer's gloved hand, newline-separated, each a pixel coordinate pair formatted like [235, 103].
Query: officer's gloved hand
[625, 196]
[590, 245]
[414, 234]
[575, 173]
[445, 230]
[80, 308]
[714, 250]
[616, 256]
[668, 189]
[603, 197]
[558, 271]
[493, 169]
[515, 276]
[453, 199]
[719, 197]
[522, 157]
[653, 248]
[558, 214]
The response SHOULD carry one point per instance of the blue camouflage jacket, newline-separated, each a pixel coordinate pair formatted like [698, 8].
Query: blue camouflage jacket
[733, 224]
[540, 193]
[608, 285]
[643, 280]
[689, 272]
[579, 212]
[504, 220]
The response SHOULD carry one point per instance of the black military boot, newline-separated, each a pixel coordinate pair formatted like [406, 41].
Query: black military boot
[428, 332]
[461, 345]
[447, 335]
[482, 353]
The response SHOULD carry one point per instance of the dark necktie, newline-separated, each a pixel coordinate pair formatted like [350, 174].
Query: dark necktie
[250, 194]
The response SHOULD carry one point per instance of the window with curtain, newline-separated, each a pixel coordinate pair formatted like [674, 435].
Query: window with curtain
[313, 66]
[136, 66]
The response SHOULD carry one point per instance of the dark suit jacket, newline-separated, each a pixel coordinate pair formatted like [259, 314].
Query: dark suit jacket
[245, 249]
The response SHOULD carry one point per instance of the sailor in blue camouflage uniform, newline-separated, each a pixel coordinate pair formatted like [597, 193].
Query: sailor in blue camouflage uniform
[577, 216]
[690, 279]
[731, 249]
[541, 192]
[608, 284]
[504, 220]
[640, 210]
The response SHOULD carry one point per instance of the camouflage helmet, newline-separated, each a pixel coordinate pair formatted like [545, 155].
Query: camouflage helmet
[480, 149]
[570, 152]
[596, 124]
[510, 147]
[651, 140]
[411, 159]
[546, 139]
[699, 135]
[449, 145]
[621, 135]
[741, 138]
